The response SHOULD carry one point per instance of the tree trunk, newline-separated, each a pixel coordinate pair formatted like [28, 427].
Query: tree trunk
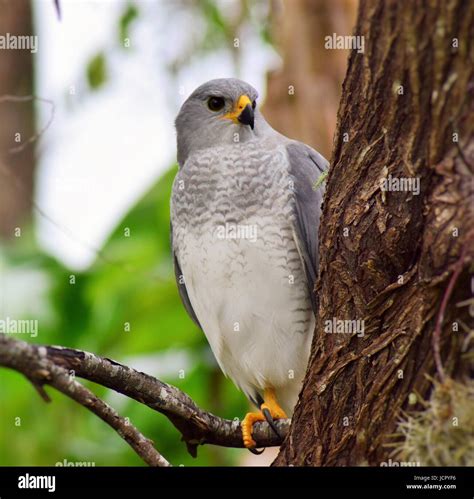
[16, 78]
[391, 258]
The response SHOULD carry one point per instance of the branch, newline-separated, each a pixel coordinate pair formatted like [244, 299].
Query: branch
[41, 371]
[38, 135]
[458, 267]
[197, 426]
[57, 6]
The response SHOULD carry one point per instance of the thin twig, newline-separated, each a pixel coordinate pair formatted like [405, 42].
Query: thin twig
[37, 135]
[42, 371]
[57, 6]
[196, 426]
[143, 446]
[23, 189]
[440, 317]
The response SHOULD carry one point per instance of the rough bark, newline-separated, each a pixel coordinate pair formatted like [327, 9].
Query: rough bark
[388, 257]
[16, 79]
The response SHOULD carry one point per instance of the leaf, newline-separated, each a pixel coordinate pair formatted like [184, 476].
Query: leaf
[126, 19]
[321, 179]
[97, 71]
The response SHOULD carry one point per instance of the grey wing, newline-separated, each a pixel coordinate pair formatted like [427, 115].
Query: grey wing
[183, 293]
[306, 166]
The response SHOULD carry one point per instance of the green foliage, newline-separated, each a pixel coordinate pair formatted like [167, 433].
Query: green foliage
[266, 33]
[126, 19]
[220, 26]
[127, 307]
[97, 71]
[321, 179]
[217, 28]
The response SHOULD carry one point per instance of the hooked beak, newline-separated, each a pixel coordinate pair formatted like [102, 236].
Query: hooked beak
[246, 117]
[243, 112]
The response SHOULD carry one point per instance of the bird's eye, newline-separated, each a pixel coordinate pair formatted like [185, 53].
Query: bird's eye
[215, 103]
[254, 104]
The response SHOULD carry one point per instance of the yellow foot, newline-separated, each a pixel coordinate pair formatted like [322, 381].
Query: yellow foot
[247, 426]
[271, 405]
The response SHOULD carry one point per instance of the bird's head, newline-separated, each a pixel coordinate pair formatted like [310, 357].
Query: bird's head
[219, 112]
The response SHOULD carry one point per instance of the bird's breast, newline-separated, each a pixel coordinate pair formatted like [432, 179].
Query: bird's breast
[233, 219]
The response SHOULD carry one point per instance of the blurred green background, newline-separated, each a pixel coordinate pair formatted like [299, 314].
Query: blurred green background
[126, 307]
[125, 304]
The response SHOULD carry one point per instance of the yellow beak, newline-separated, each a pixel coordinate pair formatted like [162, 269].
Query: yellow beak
[242, 112]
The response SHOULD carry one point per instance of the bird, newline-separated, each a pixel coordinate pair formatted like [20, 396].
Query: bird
[245, 209]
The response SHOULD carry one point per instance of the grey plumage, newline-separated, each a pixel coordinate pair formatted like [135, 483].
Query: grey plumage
[200, 129]
[305, 163]
[181, 285]
[252, 298]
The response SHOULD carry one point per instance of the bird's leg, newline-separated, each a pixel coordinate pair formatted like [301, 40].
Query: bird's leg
[247, 425]
[269, 411]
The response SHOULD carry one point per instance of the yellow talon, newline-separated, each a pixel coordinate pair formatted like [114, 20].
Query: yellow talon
[247, 426]
[275, 410]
